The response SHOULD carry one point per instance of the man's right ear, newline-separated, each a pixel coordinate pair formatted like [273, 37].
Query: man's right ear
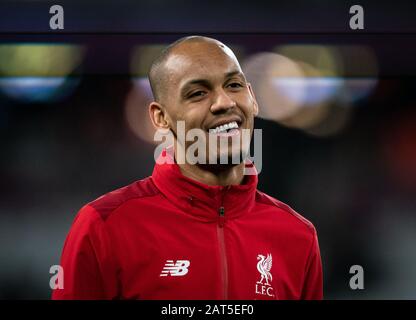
[158, 115]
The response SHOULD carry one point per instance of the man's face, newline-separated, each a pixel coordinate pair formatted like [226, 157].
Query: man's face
[207, 90]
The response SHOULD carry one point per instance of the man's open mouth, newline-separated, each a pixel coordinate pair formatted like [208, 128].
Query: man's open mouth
[225, 128]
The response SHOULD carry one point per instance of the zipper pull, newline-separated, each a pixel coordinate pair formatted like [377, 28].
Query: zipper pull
[221, 212]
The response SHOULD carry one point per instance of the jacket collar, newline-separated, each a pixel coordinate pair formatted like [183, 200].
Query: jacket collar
[201, 200]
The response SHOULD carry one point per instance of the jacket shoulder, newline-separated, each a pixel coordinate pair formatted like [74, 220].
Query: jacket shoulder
[263, 198]
[110, 201]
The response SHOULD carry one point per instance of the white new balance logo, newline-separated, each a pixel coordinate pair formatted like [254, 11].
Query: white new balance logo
[180, 268]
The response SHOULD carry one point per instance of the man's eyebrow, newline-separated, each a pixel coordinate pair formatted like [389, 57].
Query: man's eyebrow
[234, 73]
[188, 84]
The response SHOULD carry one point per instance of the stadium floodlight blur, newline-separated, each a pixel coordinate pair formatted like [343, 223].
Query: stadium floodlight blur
[264, 71]
[311, 87]
[37, 72]
[321, 114]
[360, 71]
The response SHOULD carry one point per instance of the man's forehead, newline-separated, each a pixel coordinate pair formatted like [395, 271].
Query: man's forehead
[192, 58]
[195, 47]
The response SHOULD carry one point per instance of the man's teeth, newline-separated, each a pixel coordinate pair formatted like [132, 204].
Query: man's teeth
[225, 127]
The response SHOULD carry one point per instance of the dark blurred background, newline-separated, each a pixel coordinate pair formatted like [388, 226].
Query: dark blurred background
[339, 138]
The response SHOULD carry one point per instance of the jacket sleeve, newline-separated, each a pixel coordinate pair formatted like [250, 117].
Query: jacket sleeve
[87, 262]
[313, 283]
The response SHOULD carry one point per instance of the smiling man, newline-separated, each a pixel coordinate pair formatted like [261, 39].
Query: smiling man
[199, 83]
[194, 230]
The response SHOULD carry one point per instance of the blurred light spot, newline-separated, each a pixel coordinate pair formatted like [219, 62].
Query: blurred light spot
[357, 61]
[307, 117]
[311, 87]
[34, 72]
[263, 71]
[38, 89]
[316, 87]
[357, 89]
[39, 60]
[326, 59]
[142, 58]
[296, 95]
[316, 90]
[136, 110]
[357, 64]
[360, 70]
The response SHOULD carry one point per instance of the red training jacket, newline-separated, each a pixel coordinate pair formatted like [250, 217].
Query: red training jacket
[171, 237]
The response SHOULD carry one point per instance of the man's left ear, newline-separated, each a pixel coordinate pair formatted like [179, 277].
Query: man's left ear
[253, 98]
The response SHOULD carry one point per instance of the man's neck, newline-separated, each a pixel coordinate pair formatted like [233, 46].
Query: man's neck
[214, 176]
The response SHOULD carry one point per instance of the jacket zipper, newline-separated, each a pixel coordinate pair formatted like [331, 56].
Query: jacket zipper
[223, 254]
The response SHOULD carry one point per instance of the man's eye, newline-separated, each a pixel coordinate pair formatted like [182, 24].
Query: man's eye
[235, 85]
[197, 94]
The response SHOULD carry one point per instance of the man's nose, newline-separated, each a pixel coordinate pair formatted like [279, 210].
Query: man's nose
[222, 102]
